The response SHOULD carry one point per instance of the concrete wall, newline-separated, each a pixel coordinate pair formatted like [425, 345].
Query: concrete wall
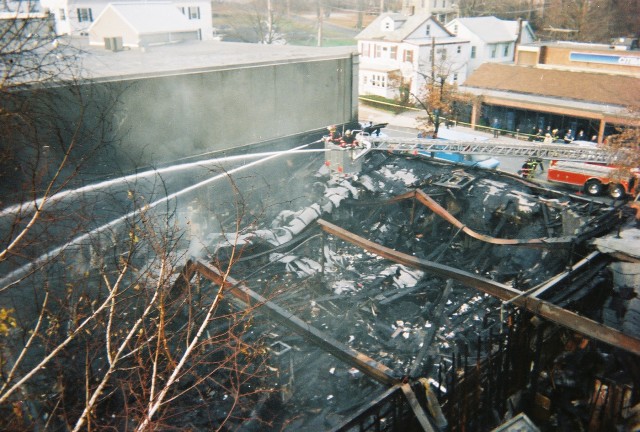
[119, 125]
[175, 116]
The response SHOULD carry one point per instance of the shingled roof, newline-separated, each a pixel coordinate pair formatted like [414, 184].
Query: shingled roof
[585, 86]
[406, 25]
[491, 29]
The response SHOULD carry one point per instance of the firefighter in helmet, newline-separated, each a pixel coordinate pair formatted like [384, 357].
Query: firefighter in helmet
[348, 140]
[334, 136]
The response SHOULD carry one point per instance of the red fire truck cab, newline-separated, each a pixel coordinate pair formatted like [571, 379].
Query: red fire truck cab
[593, 178]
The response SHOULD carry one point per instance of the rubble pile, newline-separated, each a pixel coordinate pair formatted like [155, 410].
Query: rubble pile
[400, 316]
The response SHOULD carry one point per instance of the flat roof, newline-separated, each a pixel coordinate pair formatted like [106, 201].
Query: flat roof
[191, 57]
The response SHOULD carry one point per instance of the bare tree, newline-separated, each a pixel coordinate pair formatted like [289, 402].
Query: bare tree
[259, 21]
[99, 324]
[625, 144]
[438, 97]
[578, 20]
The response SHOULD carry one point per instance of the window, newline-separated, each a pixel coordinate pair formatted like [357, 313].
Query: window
[387, 25]
[378, 80]
[428, 30]
[444, 4]
[442, 52]
[455, 29]
[506, 50]
[194, 12]
[455, 77]
[394, 52]
[458, 49]
[494, 50]
[473, 52]
[62, 15]
[84, 15]
[408, 56]
[435, 4]
[378, 51]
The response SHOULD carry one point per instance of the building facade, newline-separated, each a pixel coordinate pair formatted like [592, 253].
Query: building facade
[564, 86]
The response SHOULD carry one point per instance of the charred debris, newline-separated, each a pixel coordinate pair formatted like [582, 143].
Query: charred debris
[419, 295]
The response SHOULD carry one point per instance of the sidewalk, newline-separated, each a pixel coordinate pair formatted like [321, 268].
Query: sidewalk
[407, 122]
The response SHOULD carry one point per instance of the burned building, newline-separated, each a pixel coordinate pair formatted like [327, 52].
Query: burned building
[396, 293]
[257, 280]
[477, 284]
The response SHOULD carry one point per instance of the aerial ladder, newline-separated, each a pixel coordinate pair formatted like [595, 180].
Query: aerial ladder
[422, 146]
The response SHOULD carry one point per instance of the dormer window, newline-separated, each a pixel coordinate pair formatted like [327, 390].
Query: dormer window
[388, 25]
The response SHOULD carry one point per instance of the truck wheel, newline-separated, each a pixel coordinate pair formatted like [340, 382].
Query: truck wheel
[617, 191]
[593, 187]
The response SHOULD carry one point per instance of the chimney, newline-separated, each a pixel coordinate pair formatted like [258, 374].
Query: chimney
[518, 39]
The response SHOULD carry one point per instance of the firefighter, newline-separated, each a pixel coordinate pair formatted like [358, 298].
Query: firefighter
[529, 167]
[348, 140]
[334, 136]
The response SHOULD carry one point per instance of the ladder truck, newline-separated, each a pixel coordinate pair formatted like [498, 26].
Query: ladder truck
[589, 168]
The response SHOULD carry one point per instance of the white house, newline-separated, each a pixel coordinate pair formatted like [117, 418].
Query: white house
[492, 39]
[137, 24]
[443, 10]
[400, 45]
[74, 17]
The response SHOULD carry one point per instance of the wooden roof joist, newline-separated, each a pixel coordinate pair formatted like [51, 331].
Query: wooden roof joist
[542, 308]
[367, 365]
[429, 202]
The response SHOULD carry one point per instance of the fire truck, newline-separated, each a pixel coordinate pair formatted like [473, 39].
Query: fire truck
[594, 178]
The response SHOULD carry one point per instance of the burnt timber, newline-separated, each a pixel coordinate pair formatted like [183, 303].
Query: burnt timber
[564, 227]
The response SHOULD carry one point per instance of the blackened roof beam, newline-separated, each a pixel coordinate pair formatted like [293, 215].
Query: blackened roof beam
[566, 318]
[367, 365]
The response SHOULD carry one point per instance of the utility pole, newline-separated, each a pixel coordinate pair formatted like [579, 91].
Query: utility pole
[518, 40]
[433, 59]
[320, 13]
[360, 13]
